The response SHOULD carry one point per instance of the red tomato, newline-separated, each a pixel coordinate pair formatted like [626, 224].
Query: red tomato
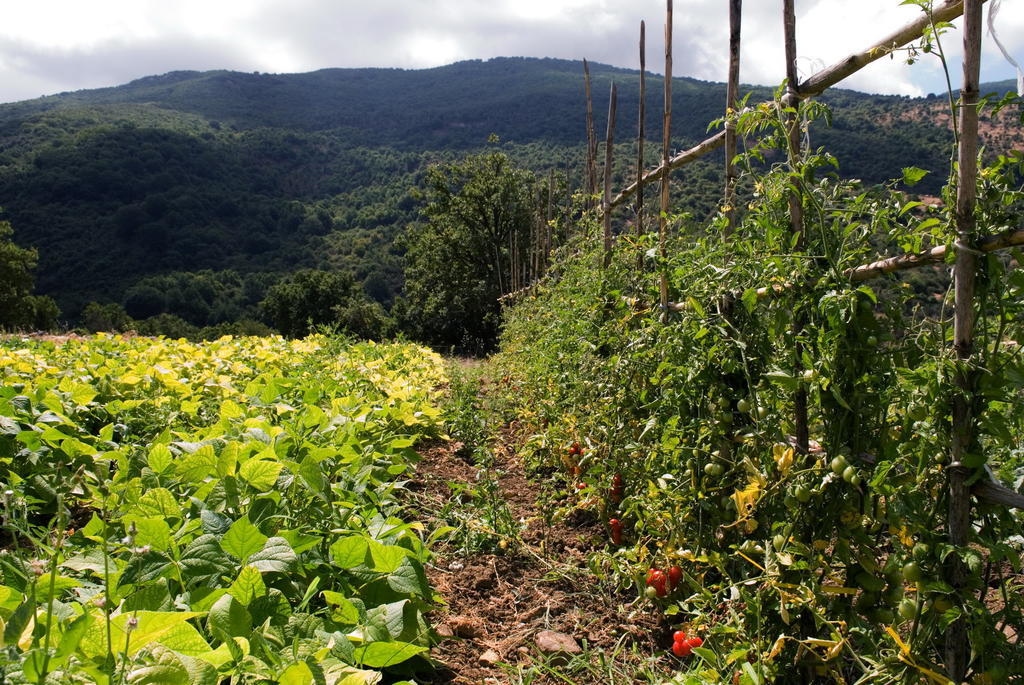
[675, 574]
[681, 649]
[679, 636]
[660, 583]
[616, 527]
[694, 642]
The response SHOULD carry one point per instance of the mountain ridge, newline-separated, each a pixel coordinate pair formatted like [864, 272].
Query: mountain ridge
[260, 174]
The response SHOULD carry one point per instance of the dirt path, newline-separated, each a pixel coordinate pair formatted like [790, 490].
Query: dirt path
[497, 604]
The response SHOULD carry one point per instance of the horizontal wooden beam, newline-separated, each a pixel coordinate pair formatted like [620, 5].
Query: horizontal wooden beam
[685, 157]
[830, 76]
[1013, 237]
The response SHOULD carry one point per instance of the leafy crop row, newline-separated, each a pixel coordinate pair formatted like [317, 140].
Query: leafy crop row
[183, 513]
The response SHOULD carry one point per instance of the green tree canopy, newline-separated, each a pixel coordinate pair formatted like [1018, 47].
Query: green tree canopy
[310, 298]
[19, 308]
[478, 212]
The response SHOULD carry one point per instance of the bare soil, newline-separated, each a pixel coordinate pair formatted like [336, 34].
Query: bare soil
[501, 602]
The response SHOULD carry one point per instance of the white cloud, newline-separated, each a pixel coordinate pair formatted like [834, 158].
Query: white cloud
[54, 45]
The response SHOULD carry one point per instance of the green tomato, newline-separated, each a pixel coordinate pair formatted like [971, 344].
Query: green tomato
[912, 572]
[725, 417]
[839, 465]
[650, 592]
[723, 403]
[849, 473]
[908, 609]
[762, 413]
[743, 406]
[871, 341]
[714, 469]
[802, 493]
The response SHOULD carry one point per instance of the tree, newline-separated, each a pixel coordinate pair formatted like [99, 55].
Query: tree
[19, 308]
[310, 298]
[479, 213]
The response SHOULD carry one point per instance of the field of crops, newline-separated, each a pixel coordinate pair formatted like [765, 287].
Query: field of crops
[186, 513]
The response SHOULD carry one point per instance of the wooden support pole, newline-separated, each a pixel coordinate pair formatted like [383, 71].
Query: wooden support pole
[641, 125]
[791, 101]
[666, 152]
[731, 103]
[609, 151]
[591, 187]
[964, 440]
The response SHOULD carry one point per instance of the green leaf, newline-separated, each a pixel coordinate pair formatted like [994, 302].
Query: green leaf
[297, 674]
[228, 618]
[248, 585]
[159, 502]
[352, 552]
[204, 560]
[261, 474]
[144, 568]
[276, 556]
[243, 539]
[196, 467]
[71, 638]
[150, 530]
[912, 175]
[160, 458]
[409, 578]
[383, 654]
[168, 628]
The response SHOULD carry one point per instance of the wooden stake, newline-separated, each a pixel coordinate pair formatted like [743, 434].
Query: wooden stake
[731, 103]
[641, 124]
[591, 138]
[791, 101]
[608, 152]
[666, 151]
[964, 270]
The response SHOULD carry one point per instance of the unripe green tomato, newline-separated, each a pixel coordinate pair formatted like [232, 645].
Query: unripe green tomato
[743, 406]
[839, 464]
[941, 604]
[912, 572]
[802, 493]
[791, 502]
[725, 417]
[921, 551]
[848, 473]
[714, 470]
[650, 592]
[908, 609]
[856, 480]
[871, 341]
[723, 402]
[762, 413]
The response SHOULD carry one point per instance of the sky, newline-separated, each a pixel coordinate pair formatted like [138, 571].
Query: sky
[51, 46]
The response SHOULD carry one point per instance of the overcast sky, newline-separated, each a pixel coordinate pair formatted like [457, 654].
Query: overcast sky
[49, 46]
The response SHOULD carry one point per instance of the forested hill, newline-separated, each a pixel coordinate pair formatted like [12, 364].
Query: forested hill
[191, 192]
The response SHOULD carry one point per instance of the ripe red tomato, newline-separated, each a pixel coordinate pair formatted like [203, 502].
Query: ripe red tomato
[659, 581]
[695, 642]
[616, 528]
[650, 576]
[681, 649]
[675, 574]
[679, 636]
[618, 489]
